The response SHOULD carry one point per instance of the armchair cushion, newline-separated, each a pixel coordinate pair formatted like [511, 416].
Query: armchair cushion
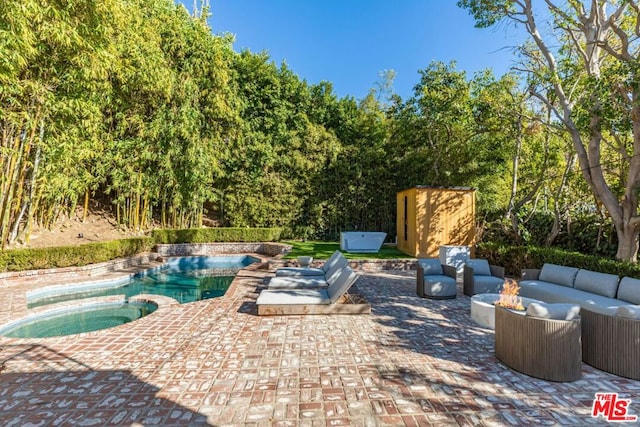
[553, 311]
[487, 284]
[431, 266]
[480, 267]
[439, 286]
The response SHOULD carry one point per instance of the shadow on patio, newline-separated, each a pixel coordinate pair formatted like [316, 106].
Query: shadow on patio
[39, 386]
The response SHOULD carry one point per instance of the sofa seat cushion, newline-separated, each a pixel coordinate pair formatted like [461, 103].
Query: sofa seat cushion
[629, 290]
[440, 285]
[558, 274]
[557, 311]
[487, 284]
[597, 283]
[553, 293]
[480, 267]
[431, 266]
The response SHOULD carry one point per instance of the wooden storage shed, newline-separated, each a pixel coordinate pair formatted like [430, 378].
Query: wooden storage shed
[429, 217]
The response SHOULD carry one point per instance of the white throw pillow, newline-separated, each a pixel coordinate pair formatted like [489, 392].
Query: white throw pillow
[628, 311]
[557, 311]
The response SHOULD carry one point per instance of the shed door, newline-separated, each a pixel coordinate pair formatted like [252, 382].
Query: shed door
[406, 218]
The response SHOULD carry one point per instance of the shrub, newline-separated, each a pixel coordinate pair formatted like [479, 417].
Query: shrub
[516, 258]
[67, 256]
[92, 253]
[221, 234]
[587, 233]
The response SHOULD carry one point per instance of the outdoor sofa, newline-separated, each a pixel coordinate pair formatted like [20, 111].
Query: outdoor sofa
[610, 312]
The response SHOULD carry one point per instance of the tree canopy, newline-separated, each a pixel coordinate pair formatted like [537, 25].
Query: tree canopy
[138, 104]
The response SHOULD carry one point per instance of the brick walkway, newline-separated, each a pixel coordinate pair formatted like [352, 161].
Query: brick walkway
[411, 362]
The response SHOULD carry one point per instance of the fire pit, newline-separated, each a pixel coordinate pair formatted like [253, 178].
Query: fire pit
[483, 308]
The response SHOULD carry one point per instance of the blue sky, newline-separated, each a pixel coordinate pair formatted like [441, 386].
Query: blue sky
[349, 42]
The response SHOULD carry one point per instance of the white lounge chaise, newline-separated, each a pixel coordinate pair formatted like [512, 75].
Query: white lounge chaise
[309, 282]
[312, 301]
[335, 258]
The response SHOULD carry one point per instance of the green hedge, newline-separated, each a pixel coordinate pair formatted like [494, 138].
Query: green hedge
[515, 258]
[222, 234]
[92, 253]
[67, 256]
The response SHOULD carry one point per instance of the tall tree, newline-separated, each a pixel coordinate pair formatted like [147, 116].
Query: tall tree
[52, 67]
[586, 71]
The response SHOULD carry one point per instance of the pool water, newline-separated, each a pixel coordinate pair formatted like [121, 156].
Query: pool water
[79, 319]
[186, 279]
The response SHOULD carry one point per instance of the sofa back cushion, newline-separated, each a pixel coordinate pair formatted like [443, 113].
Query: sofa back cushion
[431, 266]
[558, 274]
[629, 290]
[597, 283]
[480, 267]
[558, 311]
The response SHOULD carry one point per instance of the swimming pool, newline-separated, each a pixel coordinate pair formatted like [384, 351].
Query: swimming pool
[186, 279]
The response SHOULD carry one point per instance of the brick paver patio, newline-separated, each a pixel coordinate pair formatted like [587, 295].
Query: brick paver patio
[411, 362]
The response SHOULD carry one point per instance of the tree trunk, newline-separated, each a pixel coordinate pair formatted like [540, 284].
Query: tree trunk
[85, 207]
[555, 230]
[32, 189]
[627, 242]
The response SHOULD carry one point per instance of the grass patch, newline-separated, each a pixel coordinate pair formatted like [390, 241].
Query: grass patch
[323, 250]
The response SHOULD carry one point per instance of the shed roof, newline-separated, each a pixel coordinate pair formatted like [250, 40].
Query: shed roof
[440, 187]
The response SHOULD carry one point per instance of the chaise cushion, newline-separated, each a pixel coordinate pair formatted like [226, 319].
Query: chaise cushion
[629, 290]
[553, 311]
[597, 283]
[341, 284]
[293, 297]
[431, 266]
[336, 257]
[558, 274]
[480, 267]
[629, 311]
[300, 272]
[282, 282]
[487, 284]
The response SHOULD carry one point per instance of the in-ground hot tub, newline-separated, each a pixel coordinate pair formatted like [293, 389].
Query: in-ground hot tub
[483, 309]
[78, 319]
[362, 241]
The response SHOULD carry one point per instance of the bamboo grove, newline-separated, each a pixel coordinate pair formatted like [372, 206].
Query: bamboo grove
[142, 106]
